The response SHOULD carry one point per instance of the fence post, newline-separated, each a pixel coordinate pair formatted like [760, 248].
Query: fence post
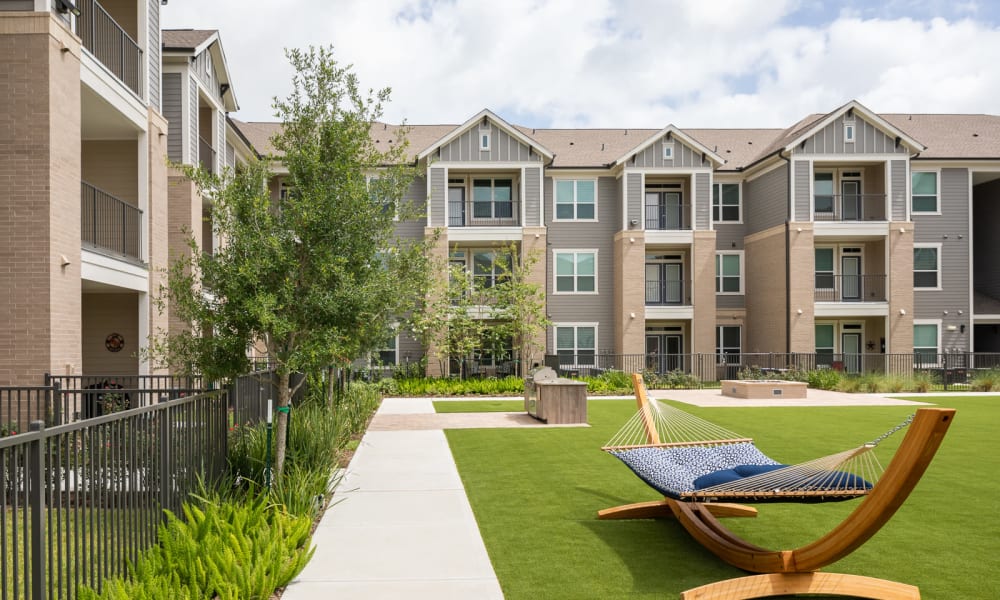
[36, 501]
[165, 442]
[54, 397]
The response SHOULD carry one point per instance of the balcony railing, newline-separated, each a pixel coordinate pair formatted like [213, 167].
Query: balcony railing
[672, 217]
[110, 224]
[849, 207]
[665, 292]
[849, 288]
[493, 213]
[206, 154]
[109, 43]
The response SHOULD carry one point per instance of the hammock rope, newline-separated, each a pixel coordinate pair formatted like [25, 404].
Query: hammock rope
[689, 458]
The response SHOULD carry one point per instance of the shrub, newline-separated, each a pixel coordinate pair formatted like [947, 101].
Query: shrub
[823, 379]
[986, 381]
[441, 386]
[923, 381]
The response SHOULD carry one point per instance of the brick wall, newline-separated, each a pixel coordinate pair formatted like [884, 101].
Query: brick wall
[157, 214]
[184, 221]
[113, 166]
[439, 254]
[703, 281]
[899, 338]
[765, 290]
[533, 244]
[630, 292]
[802, 263]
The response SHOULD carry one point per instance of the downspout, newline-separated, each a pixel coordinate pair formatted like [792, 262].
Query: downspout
[788, 259]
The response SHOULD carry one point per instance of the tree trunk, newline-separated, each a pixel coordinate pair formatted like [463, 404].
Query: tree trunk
[281, 432]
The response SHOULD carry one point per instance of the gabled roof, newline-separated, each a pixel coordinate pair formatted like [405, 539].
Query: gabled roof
[674, 133]
[195, 41]
[804, 130]
[504, 125]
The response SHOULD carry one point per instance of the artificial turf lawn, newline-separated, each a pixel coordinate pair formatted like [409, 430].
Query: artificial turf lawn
[465, 406]
[536, 492]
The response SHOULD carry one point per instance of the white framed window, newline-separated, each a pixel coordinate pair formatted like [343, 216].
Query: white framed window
[825, 269]
[849, 132]
[926, 342]
[576, 200]
[927, 266]
[484, 139]
[575, 272]
[492, 198]
[728, 344]
[924, 192]
[487, 270]
[576, 343]
[825, 344]
[823, 192]
[726, 205]
[729, 272]
[668, 150]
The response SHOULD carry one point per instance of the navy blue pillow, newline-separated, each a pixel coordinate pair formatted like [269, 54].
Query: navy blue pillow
[751, 470]
[716, 478]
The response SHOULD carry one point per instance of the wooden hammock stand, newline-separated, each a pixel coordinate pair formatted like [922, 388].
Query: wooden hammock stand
[796, 571]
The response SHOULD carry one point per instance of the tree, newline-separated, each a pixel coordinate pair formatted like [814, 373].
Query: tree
[519, 304]
[315, 277]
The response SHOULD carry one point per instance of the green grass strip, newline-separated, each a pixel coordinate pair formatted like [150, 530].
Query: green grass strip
[535, 494]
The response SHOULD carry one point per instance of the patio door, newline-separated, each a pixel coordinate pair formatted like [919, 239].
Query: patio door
[664, 211]
[456, 206]
[664, 283]
[664, 352]
[850, 345]
[850, 197]
[850, 278]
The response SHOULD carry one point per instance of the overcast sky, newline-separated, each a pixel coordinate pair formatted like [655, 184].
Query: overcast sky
[627, 63]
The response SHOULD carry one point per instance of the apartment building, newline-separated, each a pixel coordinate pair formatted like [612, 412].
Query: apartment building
[94, 98]
[848, 233]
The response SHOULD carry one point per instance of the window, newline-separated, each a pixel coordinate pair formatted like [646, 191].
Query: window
[668, 150]
[926, 266]
[387, 353]
[576, 271]
[576, 200]
[823, 192]
[285, 190]
[924, 189]
[727, 344]
[576, 344]
[849, 132]
[484, 140]
[726, 202]
[824, 344]
[728, 273]
[824, 268]
[925, 343]
[487, 271]
[492, 198]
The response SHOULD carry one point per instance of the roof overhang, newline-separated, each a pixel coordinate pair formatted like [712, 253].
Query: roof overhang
[504, 125]
[674, 133]
[873, 118]
[213, 44]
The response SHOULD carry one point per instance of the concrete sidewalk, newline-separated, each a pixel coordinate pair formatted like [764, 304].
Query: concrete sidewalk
[400, 526]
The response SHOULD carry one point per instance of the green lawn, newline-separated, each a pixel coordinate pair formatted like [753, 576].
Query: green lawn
[535, 494]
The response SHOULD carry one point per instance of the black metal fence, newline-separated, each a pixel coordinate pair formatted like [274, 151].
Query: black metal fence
[668, 217]
[951, 370]
[849, 207]
[109, 43]
[484, 213]
[80, 501]
[248, 395]
[109, 223]
[849, 288]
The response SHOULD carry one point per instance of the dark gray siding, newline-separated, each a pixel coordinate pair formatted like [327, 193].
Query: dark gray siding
[702, 200]
[18, 5]
[684, 156]
[765, 200]
[986, 243]
[868, 140]
[503, 147]
[803, 200]
[153, 53]
[634, 195]
[410, 350]
[953, 222]
[193, 119]
[586, 236]
[415, 201]
[532, 196]
[897, 180]
[438, 197]
[172, 107]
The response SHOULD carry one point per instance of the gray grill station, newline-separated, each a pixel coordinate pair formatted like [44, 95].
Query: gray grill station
[555, 400]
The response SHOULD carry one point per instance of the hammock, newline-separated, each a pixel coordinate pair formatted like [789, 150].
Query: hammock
[691, 459]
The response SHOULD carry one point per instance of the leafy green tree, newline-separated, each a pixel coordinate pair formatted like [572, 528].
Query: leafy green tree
[519, 305]
[315, 277]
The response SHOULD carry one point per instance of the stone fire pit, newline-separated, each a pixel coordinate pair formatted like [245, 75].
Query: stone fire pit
[760, 389]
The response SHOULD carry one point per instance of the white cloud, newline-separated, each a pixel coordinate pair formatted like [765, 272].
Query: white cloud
[601, 63]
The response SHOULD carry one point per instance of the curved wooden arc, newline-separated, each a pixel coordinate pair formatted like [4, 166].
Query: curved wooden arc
[656, 509]
[763, 586]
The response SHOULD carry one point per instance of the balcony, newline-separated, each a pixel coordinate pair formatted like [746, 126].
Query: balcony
[668, 217]
[484, 213]
[849, 288]
[110, 224]
[206, 154]
[849, 207]
[665, 292]
[110, 44]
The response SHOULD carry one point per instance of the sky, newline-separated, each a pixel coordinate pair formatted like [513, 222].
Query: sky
[624, 63]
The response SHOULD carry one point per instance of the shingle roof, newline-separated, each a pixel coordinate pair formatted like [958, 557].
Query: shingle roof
[952, 136]
[186, 39]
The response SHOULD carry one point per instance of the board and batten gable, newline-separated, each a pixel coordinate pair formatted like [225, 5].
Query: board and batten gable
[683, 156]
[414, 202]
[585, 235]
[173, 106]
[868, 139]
[951, 230]
[765, 200]
[503, 147]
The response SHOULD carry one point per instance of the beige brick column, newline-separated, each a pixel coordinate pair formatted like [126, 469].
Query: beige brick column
[184, 222]
[40, 301]
[533, 245]
[439, 257]
[630, 292]
[157, 216]
[899, 326]
[703, 298]
[802, 265]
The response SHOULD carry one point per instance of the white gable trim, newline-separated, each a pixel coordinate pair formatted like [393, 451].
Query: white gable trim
[504, 125]
[858, 108]
[676, 134]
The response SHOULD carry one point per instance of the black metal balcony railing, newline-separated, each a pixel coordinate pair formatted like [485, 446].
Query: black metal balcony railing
[206, 154]
[493, 213]
[665, 292]
[849, 288]
[109, 223]
[849, 207]
[672, 217]
[109, 43]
